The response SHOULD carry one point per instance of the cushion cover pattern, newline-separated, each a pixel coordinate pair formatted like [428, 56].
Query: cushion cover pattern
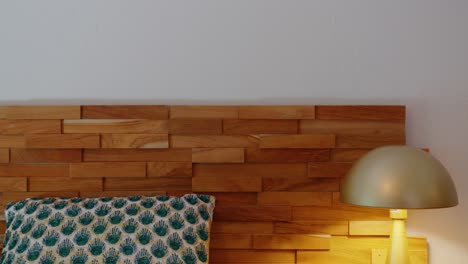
[138, 229]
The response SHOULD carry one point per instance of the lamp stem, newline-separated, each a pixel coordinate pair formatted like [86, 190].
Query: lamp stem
[398, 250]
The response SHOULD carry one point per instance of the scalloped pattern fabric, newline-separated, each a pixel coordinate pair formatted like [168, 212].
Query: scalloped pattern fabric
[110, 230]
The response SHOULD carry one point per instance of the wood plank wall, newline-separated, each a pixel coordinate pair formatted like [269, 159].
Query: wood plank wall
[275, 170]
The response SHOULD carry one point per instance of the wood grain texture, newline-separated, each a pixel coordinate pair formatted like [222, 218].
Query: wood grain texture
[339, 228]
[234, 199]
[209, 141]
[125, 112]
[120, 193]
[297, 141]
[253, 213]
[34, 170]
[247, 127]
[43, 112]
[347, 155]
[242, 227]
[12, 141]
[312, 213]
[13, 127]
[137, 155]
[13, 184]
[295, 198]
[21, 195]
[227, 184]
[203, 112]
[252, 256]
[4, 155]
[153, 184]
[261, 170]
[45, 155]
[169, 169]
[361, 112]
[151, 141]
[370, 228]
[286, 155]
[118, 126]
[196, 126]
[328, 169]
[230, 241]
[62, 141]
[277, 112]
[53, 184]
[108, 169]
[289, 241]
[299, 184]
[217, 155]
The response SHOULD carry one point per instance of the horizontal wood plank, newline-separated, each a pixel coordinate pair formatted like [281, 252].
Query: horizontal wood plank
[107, 169]
[62, 141]
[213, 141]
[12, 127]
[286, 155]
[203, 111]
[253, 213]
[196, 126]
[295, 198]
[137, 155]
[218, 155]
[277, 112]
[13, 184]
[262, 170]
[125, 112]
[234, 199]
[12, 141]
[347, 155]
[21, 195]
[242, 227]
[247, 127]
[230, 241]
[45, 155]
[43, 112]
[338, 228]
[34, 170]
[120, 193]
[252, 256]
[289, 241]
[328, 169]
[370, 228]
[361, 112]
[52, 184]
[151, 141]
[311, 213]
[4, 155]
[169, 169]
[118, 126]
[297, 141]
[227, 184]
[153, 184]
[300, 184]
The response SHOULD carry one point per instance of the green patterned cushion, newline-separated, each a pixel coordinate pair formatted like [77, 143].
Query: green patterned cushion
[138, 229]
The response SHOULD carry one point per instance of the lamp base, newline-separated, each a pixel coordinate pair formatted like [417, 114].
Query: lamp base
[398, 250]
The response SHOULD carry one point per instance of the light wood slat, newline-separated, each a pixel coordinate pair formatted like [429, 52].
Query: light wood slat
[286, 155]
[153, 184]
[227, 184]
[282, 242]
[34, 170]
[4, 155]
[253, 213]
[52, 184]
[379, 256]
[12, 127]
[242, 227]
[12, 141]
[213, 141]
[247, 127]
[361, 112]
[230, 241]
[277, 112]
[300, 184]
[328, 169]
[338, 228]
[347, 155]
[108, 169]
[262, 170]
[118, 126]
[121, 193]
[151, 141]
[203, 111]
[297, 141]
[45, 155]
[18, 196]
[13, 184]
[169, 169]
[311, 213]
[137, 155]
[125, 112]
[218, 155]
[196, 126]
[252, 256]
[370, 228]
[3, 111]
[43, 112]
[62, 141]
[295, 198]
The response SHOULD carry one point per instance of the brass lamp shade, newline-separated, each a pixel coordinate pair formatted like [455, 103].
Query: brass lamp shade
[399, 177]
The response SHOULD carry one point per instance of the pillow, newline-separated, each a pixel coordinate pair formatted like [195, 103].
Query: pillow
[138, 229]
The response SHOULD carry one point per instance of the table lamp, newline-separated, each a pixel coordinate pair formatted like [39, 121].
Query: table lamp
[399, 178]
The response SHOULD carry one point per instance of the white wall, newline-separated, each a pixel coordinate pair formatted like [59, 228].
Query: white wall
[251, 51]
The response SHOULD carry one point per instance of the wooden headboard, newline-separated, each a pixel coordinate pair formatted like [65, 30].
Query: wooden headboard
[275, 170]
